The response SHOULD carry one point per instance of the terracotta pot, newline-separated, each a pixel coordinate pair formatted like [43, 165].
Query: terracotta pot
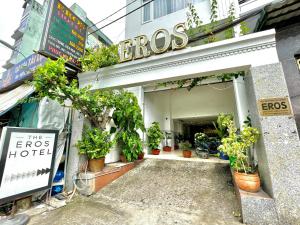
[141, 156]
[247, 182]
[167, 148]
[155, 151]
[96, 165]
[187, 153]
[123, 159]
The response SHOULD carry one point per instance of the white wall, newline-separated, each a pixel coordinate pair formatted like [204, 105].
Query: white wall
[202, 101]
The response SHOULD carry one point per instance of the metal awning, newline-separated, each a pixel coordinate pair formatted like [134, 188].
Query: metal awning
[10, 99]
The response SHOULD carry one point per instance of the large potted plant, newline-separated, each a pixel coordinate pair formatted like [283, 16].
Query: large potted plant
[167, 147]
[155, 136]
[95, 144]
[186, 149]
[237, 147]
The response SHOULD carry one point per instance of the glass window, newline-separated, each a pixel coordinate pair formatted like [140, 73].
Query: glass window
[165, 7]
[146, 11]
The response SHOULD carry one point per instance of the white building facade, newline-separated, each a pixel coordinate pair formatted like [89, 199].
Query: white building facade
[255, 55]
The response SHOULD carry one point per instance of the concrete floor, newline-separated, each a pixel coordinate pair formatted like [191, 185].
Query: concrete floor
[157, 192]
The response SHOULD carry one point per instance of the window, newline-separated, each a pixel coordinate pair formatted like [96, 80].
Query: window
[146, 11]
[164, 7]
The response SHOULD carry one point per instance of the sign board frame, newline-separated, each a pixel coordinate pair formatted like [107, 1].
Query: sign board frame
[45, 36]
[279, 106]
[5, 140]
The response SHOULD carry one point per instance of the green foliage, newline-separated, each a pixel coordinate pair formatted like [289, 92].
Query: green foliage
[154, 135]
[222, 124]
[50, 81]
[185, 145]
[244, 28]
[128, 118]
[95, 143]
[200, 138]
[237, 146]
[193, 82]
[100, 57]
[193, 20]
[229, 33]
[213, 11]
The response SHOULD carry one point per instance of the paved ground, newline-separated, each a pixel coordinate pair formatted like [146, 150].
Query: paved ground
[157, 192]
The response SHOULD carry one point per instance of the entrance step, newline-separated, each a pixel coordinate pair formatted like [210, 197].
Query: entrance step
[89, 183]
[177, 155]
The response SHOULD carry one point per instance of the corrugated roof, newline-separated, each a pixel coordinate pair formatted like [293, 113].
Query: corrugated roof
[10, 99]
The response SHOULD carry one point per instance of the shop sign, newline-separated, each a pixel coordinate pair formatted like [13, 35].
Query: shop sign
[27, 161]
[141, 47]
[21, 71]
[64, 34]
[275, 107]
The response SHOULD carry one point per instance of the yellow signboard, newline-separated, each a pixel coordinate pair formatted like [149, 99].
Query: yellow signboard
[275, 107]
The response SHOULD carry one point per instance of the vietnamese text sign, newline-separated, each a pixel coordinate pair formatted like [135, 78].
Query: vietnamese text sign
[274, 107]
[21, 71]
[64, 33]
[27, 161]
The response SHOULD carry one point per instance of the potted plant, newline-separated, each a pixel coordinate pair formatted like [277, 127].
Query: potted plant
[186, 149]
[95, 144]
[221, 127]
[167, 147]
[202, 147]
[237, 147]
[154, 135]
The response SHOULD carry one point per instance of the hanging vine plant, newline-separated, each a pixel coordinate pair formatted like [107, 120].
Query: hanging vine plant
[190, 83]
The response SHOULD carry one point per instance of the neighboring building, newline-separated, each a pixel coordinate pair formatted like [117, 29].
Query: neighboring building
[20, 66]
[182, 112]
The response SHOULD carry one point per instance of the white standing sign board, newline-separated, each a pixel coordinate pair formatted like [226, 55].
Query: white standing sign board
[27, 161]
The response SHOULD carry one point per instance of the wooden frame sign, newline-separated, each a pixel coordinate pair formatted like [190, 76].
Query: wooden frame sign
[27, 161]
[275, 107]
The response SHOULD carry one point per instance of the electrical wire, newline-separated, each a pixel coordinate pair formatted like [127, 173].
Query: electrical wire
[132, 11]
[112, 14]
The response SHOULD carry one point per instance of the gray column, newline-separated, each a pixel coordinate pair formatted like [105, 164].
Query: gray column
[74, 159]
[278, 150]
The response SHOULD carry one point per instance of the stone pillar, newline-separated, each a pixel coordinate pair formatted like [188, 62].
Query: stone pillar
[278, 149]
[74, 159]
[241, 100]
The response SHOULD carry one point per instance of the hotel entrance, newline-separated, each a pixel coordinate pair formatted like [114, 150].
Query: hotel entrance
[182, 113]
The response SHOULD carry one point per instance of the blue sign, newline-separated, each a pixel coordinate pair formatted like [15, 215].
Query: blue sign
[21, 71]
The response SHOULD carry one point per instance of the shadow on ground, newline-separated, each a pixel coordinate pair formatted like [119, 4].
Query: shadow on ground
[157, 192]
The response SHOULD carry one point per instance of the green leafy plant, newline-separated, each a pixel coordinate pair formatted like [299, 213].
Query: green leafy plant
[244, 28]
[94, 59]
[229, 33]
[237, 146]
[128, 118]
[95, 143]
[51, 81]
[185, 145]
[154, 135]
[222, 124]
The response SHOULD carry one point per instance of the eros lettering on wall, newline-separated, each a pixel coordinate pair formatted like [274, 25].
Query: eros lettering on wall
[140, 47]
[275, 107]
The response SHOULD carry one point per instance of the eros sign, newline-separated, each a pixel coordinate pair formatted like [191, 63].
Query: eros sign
[274, 107]
[27, 161]
[143, 47]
